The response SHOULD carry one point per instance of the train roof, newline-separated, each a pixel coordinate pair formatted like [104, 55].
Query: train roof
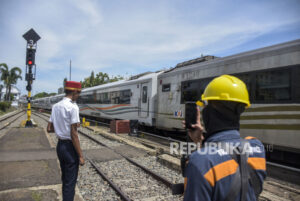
[204, 62]
[132, 80]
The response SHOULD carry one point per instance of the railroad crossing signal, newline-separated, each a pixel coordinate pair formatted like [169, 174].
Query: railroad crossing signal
[31, 37]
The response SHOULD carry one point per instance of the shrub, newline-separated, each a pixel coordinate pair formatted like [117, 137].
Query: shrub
[4, 106]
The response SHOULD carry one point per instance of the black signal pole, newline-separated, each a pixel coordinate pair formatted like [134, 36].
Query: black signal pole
[31, 37]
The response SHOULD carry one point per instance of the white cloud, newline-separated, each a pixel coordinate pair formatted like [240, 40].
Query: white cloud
[88, 8]
[133, 36]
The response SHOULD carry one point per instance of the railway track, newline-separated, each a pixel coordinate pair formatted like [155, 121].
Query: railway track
[142, 134]
[281, 183]
[283, 173]
[130, 179]
[7, 120]
[278, 190]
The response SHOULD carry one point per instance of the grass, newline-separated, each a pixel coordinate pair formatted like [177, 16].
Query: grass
[36, 196]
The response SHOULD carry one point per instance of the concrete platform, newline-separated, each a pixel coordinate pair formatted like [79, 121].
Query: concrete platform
[29, 169]
[19, 174]
[24, 139]
[30, 195]
[27, 155]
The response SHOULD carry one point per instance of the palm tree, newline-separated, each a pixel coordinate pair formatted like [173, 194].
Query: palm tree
[4, 75]
[1, 87]
[9, 77]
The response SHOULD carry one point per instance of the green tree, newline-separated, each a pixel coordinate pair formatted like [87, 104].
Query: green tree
[40, 95]
[99, 79]
[92, 79]
[102, 78]
[116, 78]
[86, 82]
[9, 77]
[43, 94]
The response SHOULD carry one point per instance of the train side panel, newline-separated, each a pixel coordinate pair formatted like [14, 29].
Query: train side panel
[272, 78]
[108, 102]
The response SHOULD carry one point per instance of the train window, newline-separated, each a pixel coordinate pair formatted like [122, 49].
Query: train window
[89, 98]
[79, 100]
[192, 90]
[273, 86]
[247, 79]
[166, 87]
[53, 100]
[100, 98]
[97, 97]
[106, 98]
[144, 95]
[85, 99]
[125, 97]
[295, 83]
[115, 97]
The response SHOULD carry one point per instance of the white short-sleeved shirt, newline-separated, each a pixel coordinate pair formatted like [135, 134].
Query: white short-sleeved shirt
[64, 113]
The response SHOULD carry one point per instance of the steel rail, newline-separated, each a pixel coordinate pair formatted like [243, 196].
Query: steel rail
[283, 172]
[40, 116]
[153, 174]
[164, 138]
[115, 187]
[296, 170]
[42, 113]
[7, 124]
[96, 122]
[142, 132]
[173, 187]
[3, 119]
[150, 134]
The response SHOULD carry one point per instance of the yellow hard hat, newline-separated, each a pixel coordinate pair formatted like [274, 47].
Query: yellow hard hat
[226, 88]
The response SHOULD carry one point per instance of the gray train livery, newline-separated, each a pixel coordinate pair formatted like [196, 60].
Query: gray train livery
[272, 76]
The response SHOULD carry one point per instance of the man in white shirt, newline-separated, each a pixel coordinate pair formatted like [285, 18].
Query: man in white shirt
[64, 121]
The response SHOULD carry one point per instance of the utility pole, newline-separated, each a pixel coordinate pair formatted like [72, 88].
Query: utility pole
[31, 37]
[70, 69]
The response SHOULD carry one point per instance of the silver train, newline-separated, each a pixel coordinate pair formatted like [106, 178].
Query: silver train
[272, 75]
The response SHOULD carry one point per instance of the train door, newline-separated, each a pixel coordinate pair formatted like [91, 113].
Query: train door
[144, 100]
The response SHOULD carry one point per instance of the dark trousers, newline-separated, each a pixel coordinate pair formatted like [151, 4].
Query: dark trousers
[69, 164]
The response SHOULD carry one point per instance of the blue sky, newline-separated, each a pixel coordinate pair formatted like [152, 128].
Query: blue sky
[129, 37]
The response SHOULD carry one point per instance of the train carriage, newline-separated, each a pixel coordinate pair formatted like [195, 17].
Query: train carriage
[42, 103]
[131, 99]
[272, 78]
[54, 99]
[157, 99]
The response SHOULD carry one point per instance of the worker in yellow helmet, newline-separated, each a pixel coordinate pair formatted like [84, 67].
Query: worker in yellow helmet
[226, 167]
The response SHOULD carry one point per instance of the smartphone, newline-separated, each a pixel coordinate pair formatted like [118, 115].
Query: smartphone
[190, 114]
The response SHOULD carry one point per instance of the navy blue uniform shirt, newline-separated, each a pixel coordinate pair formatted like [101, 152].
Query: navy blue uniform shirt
[209, 174]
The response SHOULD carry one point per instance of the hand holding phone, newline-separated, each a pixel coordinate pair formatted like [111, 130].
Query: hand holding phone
[192, 122]
[190, 114]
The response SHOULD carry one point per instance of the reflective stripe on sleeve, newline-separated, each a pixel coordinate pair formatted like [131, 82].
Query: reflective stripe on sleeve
[257, 163]
[220, 171]
[249, 138]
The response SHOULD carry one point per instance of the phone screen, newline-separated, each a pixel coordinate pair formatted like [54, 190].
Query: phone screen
[190, 114]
